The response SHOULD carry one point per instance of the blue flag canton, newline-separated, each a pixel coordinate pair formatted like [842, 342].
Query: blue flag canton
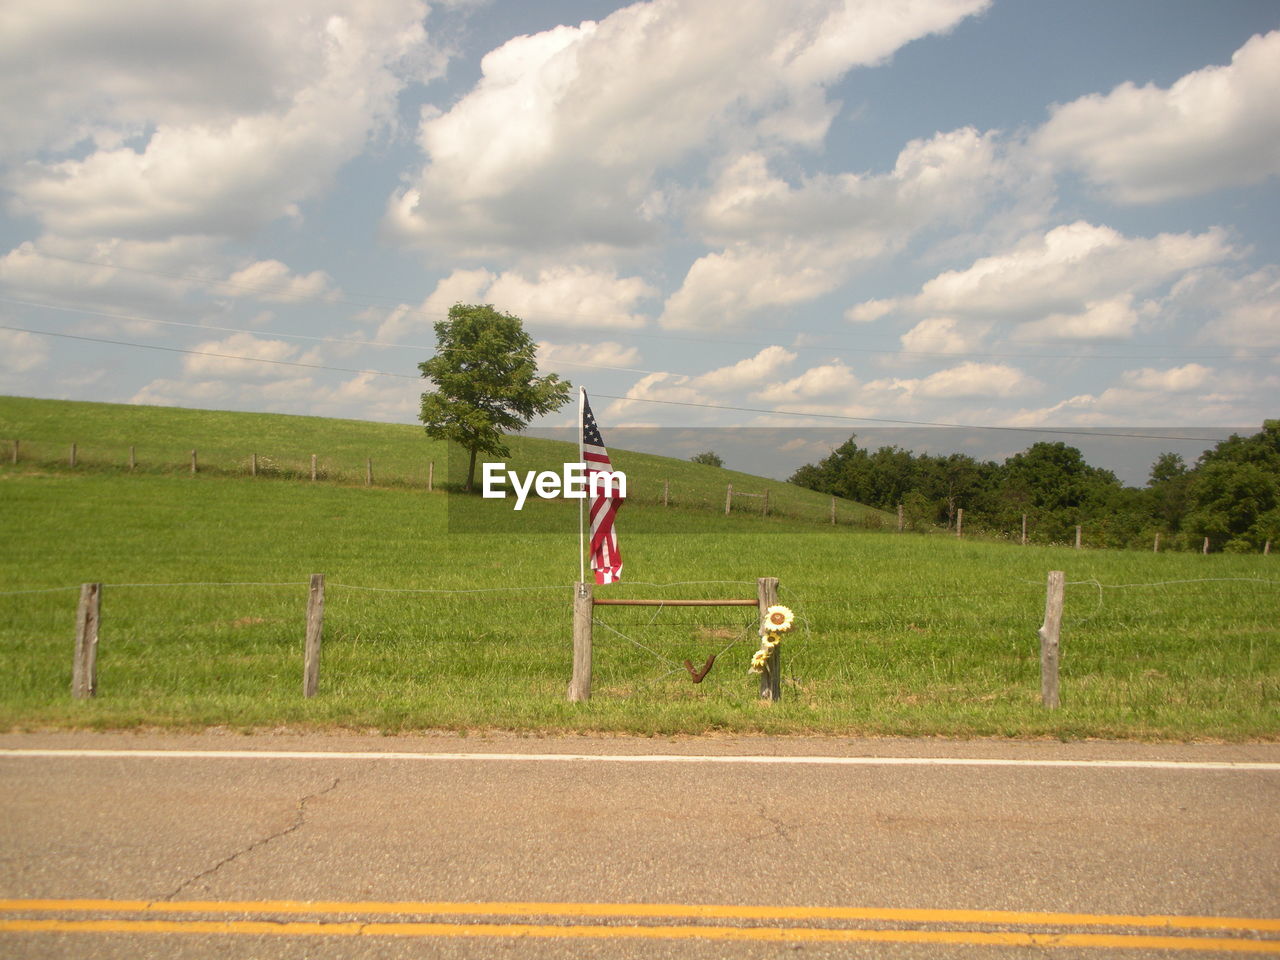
[590, 430]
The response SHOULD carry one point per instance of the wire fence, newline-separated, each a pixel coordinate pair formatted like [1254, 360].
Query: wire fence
[429, 471]
[348, 464]
[207, 638]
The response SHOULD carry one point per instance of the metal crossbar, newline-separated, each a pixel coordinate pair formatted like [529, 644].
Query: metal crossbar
[617, 602]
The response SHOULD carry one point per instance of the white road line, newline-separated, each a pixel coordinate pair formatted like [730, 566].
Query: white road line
[31, 753]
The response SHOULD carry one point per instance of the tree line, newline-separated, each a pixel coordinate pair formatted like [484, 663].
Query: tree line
[1231, 494]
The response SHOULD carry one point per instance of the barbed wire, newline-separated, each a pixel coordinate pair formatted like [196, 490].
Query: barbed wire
[14, 593]
[1166, 583]
[351, 586]
[1159, 583]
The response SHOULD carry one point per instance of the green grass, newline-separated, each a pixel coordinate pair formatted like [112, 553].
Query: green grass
[899, 634]
[162, 439]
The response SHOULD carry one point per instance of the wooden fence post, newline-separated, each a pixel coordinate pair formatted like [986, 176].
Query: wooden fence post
[368, 472]
[193, 463]
[71, 461]
[766, 502]
[253, 464]
[1050, 634]
[313, 468]
[580, 684]
[133, 457]
[771, 677]
[1156, 548]
[315, 629]
[728, 499]
[833, 511]
[431, 476]
[1266, 548]
[1206, 545]
[1024, 529]
[1078, 538]
[666, 493]
[960, 522]
[15, 451]
[84, 668]
[900, 523]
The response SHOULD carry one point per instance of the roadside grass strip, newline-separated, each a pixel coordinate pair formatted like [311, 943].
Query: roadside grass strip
[1247, 934]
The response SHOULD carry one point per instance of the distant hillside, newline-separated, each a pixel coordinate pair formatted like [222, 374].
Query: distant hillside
[346, 451]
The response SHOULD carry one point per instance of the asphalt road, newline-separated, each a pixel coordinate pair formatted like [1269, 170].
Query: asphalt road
[501, 846]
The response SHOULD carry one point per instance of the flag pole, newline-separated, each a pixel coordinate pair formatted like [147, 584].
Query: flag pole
[582, 563]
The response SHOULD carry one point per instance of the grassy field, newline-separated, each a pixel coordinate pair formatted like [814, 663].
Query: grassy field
[431, 626]
[162, 439]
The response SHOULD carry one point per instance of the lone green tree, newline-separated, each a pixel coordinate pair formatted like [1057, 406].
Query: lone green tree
[486, 383]
[708, 458]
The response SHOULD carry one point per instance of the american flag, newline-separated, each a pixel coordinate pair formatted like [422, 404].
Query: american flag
[606, 561]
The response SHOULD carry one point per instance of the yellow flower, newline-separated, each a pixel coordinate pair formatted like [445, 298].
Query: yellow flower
[778, 619]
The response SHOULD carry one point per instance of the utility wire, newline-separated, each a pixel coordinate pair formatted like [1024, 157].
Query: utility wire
[293, 336]
[207, 353]
[580, 320]
[680, 403]
[911, 423]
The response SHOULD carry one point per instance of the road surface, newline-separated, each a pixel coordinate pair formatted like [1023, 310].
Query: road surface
[124, 845]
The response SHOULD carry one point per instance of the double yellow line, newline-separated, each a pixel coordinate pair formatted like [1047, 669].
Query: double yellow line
[1248, 933]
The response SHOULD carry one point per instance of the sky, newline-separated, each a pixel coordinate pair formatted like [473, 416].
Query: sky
[818, 214]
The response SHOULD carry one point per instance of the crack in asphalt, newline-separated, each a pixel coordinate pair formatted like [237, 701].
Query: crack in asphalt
[299, 820]
[779, 827]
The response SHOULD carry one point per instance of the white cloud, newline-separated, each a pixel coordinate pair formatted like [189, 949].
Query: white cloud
[565, 296]
[302, 87]
[586, 355]
[932, 180]
[1190, 376]
[788, 245]
[975, 380]
[246, 345]
[1114, 319]
[869, 311]
[943, 335]
[722, 288]
[968, 380]
[825, 382]
[1242, 400]
[22, 352]
[363, 396]
[669, 387]
[563, 140]
[1062, 271]
[271, 280]
[750, 372]
[1238, 311]
[111, 276]
[572, 296]
[1214, 128]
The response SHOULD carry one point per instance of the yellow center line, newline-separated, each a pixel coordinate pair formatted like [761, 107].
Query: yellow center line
[582, 932]
[668, 911]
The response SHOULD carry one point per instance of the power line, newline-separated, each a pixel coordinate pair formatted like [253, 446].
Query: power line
[257, 288]
[679, 403]
[578, 320]
[293, 336]
[910, 423]
[208, 353]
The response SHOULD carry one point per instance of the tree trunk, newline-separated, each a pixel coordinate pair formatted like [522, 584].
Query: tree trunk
[471, 472]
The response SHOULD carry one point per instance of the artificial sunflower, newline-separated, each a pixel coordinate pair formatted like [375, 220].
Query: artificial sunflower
[778, 619]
